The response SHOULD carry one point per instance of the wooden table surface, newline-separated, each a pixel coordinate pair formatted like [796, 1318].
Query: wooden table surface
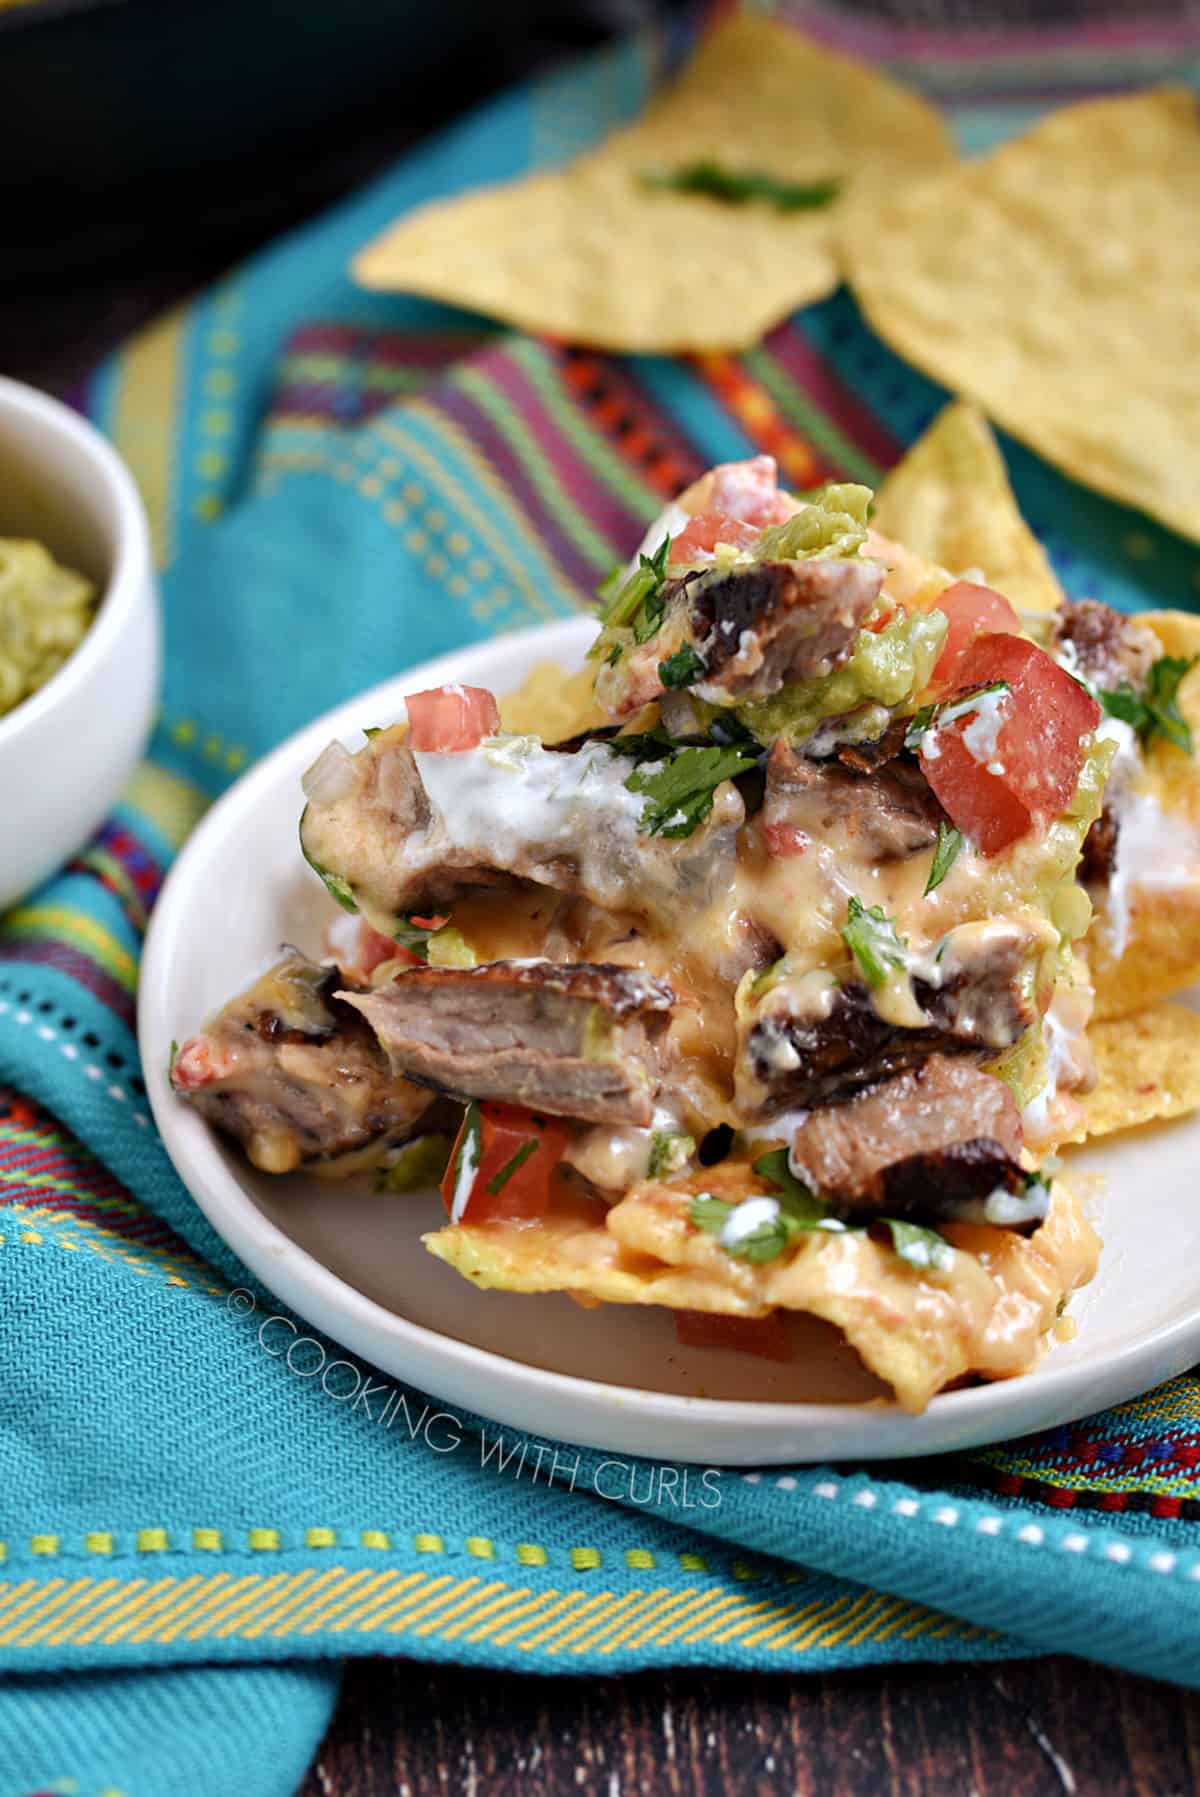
[1036, 1728]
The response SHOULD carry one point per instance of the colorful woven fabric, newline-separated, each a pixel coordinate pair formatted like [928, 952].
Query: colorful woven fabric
[341, 485]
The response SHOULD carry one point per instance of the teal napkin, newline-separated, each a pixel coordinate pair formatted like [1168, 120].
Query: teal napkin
[193, 1534]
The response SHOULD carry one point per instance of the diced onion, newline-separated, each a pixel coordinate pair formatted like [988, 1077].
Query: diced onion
[331, 776]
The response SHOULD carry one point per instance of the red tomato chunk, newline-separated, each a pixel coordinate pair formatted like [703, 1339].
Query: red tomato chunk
[448, 719]
[705, 531]
[973, 611]
[1030, 776]
[519, 1155]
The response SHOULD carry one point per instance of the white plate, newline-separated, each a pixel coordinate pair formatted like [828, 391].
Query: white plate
[351, 1263]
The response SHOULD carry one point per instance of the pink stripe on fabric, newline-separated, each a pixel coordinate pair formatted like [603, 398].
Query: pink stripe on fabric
[796, 356]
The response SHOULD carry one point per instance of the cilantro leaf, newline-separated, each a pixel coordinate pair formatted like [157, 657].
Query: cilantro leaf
[626, 604]
[872, 940]
[918, 725]
[766, 1241]
[679, 792]
[1156, 713]
[412, 936]
[949, 843]
[498, 1181]
[683, 668]
[736, 187]
[171, 1057]
[799, 1204]
[416, 1166]
[922, 1248]
[612, 583]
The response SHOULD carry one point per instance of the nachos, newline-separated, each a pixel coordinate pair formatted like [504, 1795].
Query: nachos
[764, 982]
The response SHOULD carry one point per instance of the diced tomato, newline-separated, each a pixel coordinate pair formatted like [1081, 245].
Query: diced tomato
[705, 531]
[1031, 775]
[973, 611]
[765, 1336]
[374, 949]
[200, 1062]
[518, 1156]
[785, 840]
[750, 491]
[451, 718]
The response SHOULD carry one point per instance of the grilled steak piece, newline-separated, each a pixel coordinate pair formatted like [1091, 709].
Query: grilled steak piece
[811, 1047]
[1110, 650]
[937, 1142]
[413, 831]
[296, 1077]
[575, 1041]
[889, 812]
[756, 627]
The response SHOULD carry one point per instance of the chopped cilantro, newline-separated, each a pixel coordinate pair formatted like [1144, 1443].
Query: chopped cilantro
[626, 604]
[412, 936]
[949, 843]
[679, 792]
[797, 1212]
[498, 1181]
[872, 940]
[917, 1246]
[737, 187]
[683, 668]
[171, 1057]
[650, 616]
[1156, 713]
[370, 730]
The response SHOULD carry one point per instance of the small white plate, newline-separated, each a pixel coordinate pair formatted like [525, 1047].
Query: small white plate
[350, 1261]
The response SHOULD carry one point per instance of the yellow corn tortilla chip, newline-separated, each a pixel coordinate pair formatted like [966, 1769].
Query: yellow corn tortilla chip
[552, 703]
[594, 254]
[917, 1331]
[1054, 281]
[1147, 1068]
[950, 501]
[1161, 952]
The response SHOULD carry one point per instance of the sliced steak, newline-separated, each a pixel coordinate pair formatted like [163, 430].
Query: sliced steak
[294, 1074]
[412, 831]
[1109, 650]
[575, 1041]
[824, 1045]
[889, 811]
[755, 627]
[940, 1142]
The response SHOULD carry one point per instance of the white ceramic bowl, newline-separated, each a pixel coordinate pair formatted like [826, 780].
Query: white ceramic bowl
[67, 750]
[351, 1261]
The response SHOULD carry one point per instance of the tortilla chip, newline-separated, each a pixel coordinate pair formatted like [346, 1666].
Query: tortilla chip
[594, 254]
[913, 1330]
[950, 500]
[1148, 1069]
[1162, 940]
[1055, 282]
[552, 703]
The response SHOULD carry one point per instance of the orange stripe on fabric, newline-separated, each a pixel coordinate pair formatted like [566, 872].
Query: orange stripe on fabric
[756, 412]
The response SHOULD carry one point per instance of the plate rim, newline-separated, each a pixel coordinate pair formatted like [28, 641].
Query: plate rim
[952, 1421]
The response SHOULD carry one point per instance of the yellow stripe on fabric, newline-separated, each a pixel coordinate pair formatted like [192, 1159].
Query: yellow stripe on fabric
[40, 1609]
[257, 1616]
[171, 1593]
[299, 1599]
[457, 496]
[363, 1608]
[566, 1601]
[145, 406]
[604, 461]
[84, 930]
[575, 1608]
[467, 1604]
[51, 1630]
[333, 1595]
[173, 805]
[217, 1585]
[538, 466]
[680, 1605]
